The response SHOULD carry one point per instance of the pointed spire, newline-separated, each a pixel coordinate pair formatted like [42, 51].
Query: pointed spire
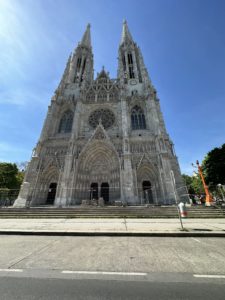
[65, 73]
[86, 40]
[126, 36]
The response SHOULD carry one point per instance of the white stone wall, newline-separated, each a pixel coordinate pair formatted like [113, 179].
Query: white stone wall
[123, 157]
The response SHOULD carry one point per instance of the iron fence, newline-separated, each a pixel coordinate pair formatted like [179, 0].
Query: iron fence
[8, 196]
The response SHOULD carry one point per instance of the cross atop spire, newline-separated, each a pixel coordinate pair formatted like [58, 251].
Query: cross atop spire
[126, 36]
[86, 39]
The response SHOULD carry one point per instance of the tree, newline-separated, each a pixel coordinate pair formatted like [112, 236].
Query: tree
[188, 182]
[197, 185]
[8, 176]
[214, 167]
[10, 180]
[194, 184]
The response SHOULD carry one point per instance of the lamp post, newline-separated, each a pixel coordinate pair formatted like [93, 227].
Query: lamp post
[208, 198]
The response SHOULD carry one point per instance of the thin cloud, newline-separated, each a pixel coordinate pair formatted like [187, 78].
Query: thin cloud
[7, 150]
[23, 40]
[23, 97]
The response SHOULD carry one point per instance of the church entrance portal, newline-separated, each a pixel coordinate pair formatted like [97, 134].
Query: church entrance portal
[147, 191]
[94, 191]
[105, 192]
[51, 193]
[98, 168]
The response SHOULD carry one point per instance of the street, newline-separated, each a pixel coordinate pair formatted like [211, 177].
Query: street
[46, 267]
[58, 289]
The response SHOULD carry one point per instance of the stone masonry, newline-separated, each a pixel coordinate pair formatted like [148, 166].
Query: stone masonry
[103, 138]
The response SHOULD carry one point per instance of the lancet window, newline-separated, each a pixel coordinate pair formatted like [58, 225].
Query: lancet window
[66, 122]
[78, 63]
[131, 66]
[124, 63]
[137, 118]
[76, 77]
[83, 69]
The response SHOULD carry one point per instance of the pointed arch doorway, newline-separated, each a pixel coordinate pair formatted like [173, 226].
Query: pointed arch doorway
[98, 168]
[147, 192]
[51, 193]
[94, 191]
[105, 192]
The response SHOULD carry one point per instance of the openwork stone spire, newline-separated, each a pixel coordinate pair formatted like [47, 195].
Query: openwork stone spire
[86, 40]
[126, 35]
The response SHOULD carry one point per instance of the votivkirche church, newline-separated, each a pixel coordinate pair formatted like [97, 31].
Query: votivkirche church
[103, 138]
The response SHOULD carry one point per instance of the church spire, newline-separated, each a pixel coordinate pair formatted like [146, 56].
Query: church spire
[126, 35]
[81, 66]
[131, 68]
[86, 39]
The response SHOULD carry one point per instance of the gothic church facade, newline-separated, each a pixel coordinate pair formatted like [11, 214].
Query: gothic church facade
[103, 138]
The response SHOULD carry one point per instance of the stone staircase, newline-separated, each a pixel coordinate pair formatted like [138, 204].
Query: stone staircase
[110, 212]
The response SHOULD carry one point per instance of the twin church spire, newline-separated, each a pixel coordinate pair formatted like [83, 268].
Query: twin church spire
[80, 66]
[125, 37]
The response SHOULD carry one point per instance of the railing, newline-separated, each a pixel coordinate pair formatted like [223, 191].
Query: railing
[8, 196]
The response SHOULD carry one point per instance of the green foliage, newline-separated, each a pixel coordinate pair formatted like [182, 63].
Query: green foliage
[20, 177]
[8, 176]
[194, 184]
[197, 185]
[214, 167]
[10, 180]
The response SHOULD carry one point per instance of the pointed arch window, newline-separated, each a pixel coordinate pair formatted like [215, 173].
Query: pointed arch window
[124, 63]
[78, 63]
[131, 65]
[130, 59]
[83, 69]
[137, 118]
[66, 122]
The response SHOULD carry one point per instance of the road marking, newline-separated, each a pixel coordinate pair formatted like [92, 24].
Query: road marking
[11, 270]
[196, 240]
[105, 273]
[209, 276]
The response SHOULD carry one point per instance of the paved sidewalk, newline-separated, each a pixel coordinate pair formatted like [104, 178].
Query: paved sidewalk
[122, 227]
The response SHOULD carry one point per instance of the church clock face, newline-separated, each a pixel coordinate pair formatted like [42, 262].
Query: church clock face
[103, 115]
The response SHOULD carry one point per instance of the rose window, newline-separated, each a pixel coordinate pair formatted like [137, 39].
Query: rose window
[104, 116]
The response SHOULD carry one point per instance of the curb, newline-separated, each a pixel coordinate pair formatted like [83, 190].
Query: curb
[122, 234]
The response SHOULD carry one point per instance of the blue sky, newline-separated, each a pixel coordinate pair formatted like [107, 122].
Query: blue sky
[183, 44]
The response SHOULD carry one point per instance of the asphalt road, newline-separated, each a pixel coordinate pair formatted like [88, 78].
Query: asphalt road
[41, 267]
[58, 289]
[125, 254]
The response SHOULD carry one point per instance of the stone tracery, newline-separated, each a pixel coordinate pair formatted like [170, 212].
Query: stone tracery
[103, 115]
[123, 161]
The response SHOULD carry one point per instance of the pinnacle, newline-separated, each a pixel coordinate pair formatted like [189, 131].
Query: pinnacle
[126, 35]
[86, 40]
